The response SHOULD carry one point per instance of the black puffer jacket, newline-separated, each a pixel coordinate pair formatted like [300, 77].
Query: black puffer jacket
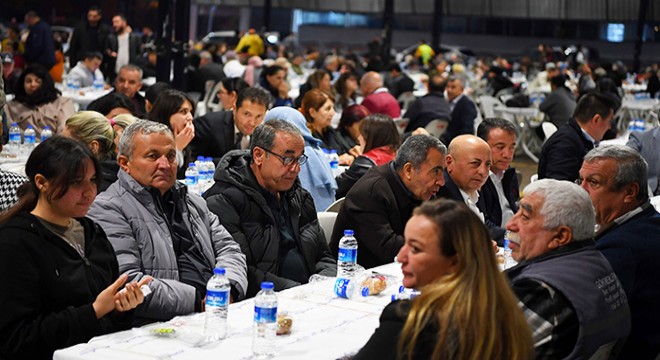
[236, 197]
[48, 289]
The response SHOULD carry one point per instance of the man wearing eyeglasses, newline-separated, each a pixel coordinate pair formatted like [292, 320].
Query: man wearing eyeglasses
[259, 199]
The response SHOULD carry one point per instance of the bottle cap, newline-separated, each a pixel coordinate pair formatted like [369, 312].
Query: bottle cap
[266, 285]
[200, 158]
[46, 127]
[219, 271]
[30, 127]
[191, 164]
[365, 291]
[348, 232]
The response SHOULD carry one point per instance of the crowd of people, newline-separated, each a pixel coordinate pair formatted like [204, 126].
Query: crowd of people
[100, 208]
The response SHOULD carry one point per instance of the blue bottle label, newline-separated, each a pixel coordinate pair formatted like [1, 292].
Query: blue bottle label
[341, 285]
[16, 137]
[347, 255]
[191, 180]
[265, 315]
[217, 298]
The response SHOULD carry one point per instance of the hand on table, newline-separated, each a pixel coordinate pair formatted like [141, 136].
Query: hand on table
[346, 159]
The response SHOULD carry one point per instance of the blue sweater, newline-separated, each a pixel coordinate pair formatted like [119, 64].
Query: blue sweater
[633, 250]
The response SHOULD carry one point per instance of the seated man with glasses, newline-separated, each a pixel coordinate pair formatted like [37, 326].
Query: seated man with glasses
[258, 197]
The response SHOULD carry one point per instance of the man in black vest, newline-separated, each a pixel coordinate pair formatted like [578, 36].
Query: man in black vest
[219, 132]
[571, 297]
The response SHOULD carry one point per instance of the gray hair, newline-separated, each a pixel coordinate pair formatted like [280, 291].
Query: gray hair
[131, 67]
[415, 149]
[630, 167]
[143, 127]
[565, 204]
[264, 134]
[460, 79]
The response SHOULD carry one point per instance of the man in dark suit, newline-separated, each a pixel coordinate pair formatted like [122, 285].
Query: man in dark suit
[39, 46]
[219, 132]
[500, 194]
[561, 155]
[398, 82]
[88, 36]
[430, 107]
[207, 70]
[463, 110]
[468, 164]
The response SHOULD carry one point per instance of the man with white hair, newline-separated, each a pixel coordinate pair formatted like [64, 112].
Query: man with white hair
[573, 300]
[376, 97]
[615, 178]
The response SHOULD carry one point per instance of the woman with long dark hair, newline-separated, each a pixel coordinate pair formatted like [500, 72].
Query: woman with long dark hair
[60, 278]
[379, 139]
[175, 109]
[229, 89]
[346, 88]
[37, 102]
[273, 79]
[466, 309]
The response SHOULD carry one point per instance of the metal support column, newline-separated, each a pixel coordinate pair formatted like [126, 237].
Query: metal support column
[268, 7]
[388, 19]
[164, 40]
[180, 45]
[643, 8]
[437, 26]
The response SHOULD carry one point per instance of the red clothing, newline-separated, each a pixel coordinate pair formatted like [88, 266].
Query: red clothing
[380, 155]
[382, 102]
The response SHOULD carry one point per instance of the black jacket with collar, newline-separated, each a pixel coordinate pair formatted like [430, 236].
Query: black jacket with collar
[451, 191]
[562, 154]
[462, 120]
[237, 199]
[489, 200]
[214, 135]
[376, 208]
[48, 289]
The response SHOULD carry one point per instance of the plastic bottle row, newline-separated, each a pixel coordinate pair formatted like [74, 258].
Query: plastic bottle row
[199, 175]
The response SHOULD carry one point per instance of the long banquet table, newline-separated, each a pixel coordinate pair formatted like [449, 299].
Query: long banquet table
[324, 327]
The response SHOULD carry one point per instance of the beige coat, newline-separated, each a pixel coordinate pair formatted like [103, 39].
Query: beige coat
[53, 114]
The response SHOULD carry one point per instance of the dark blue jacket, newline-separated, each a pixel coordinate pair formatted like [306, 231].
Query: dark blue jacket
[562, 154]
[462, 120]
[633, 250]
[40, 46]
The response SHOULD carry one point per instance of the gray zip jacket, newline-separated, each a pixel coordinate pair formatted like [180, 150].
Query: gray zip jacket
[143, 245]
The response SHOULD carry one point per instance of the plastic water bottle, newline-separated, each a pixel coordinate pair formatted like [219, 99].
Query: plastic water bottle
[640, 125]
[15, 134]
[210, 170]
[46, 133]
[98, 84]
[217, 305]
[405, 294]
[347, 258]
[351, 288]
[265, 322]
[334, 162]
[192, 179]
[29, 138]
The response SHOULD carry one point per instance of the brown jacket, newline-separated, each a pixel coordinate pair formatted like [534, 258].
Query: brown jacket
[53, 114]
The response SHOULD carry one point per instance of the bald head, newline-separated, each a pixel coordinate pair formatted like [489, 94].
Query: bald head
[468, 162]
[370, 82]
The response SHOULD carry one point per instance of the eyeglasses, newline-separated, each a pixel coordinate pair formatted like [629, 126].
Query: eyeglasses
[288, 161]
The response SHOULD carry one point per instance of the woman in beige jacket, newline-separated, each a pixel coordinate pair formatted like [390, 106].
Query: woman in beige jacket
[38, 102]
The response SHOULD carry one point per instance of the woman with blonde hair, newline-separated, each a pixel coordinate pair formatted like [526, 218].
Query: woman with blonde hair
[466, 309]
[95, 131]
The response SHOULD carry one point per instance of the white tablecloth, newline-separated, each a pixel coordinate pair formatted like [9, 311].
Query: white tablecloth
[523, 118]
[324, 327]
[84, 96]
